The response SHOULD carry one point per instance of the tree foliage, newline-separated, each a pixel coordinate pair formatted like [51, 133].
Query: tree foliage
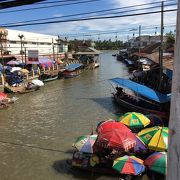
[108, 45]
[170, 39]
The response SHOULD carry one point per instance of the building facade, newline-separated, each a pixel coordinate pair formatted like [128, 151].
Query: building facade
[17, 42]
[145, 40]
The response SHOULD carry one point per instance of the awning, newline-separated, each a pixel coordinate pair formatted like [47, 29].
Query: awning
[142, 90]
[72, 67]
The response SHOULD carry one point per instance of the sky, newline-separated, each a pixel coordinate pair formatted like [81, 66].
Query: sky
[124, 27]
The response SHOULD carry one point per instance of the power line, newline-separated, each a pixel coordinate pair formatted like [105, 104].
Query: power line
[91, 18]
[91, 12]
[45, 7]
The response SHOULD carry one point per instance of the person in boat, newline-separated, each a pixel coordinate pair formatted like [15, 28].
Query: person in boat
[119, 91]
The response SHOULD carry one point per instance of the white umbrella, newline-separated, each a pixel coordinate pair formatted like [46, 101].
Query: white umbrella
[15, 69]
[37, 82]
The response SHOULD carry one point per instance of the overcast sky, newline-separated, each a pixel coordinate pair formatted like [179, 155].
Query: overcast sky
[120, 25]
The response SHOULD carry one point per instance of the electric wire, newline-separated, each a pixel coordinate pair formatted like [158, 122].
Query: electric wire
[92, 18]
[45, 7]
[87, 13]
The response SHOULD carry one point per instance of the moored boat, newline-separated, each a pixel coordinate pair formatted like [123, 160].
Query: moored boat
[142, 98]
[72, 70]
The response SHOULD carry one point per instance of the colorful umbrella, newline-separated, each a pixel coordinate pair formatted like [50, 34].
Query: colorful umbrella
[2, 96]
[129, 165]
[157, 162]
[134, 120]
[13, 62]
[155, 120]
[37, 82]
[115, 135]
[140, 146]
[85, 143]
[156, 137]
[25, 71]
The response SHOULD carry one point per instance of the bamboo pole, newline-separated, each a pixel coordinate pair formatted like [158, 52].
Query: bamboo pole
[2, 78]
[173, 169]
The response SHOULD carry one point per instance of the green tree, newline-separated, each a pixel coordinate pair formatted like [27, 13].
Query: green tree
[170, 39]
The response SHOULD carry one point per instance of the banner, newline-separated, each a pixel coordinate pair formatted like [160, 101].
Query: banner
[33, 56]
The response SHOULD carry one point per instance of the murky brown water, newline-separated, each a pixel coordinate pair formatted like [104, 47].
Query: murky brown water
[37, 131]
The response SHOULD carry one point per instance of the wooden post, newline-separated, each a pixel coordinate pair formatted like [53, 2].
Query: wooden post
[32, 72]
[2, 79]
[173, 169]
[39, 72]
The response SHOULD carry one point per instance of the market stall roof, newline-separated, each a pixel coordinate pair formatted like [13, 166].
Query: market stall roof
[87, 51]
[142, 90]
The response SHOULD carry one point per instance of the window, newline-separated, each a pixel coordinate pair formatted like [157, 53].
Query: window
[13, 42]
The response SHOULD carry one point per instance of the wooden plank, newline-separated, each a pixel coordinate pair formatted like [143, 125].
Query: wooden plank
[173, 169]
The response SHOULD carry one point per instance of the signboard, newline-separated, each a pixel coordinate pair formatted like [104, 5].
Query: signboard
[33, 56]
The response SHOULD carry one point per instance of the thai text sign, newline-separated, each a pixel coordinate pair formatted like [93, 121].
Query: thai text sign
[33, 55]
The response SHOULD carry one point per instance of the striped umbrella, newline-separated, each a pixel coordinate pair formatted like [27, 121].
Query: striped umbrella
[156, 137]
[85, 143]
[134, 120]
[129, 165]
[157, 162]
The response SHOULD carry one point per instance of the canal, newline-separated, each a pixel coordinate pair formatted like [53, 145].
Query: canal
[37, 132]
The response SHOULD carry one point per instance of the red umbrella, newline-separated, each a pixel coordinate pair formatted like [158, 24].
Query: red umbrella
[2, 96]
[115, 135]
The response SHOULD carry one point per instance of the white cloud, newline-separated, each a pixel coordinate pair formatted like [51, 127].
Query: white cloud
[115, 24]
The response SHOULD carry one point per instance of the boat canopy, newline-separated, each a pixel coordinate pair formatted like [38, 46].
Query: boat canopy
[142, 90]
[73, 67]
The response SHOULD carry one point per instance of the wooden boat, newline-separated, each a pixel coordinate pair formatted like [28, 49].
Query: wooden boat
[82, 161]
[144, 99]
[20, 89]
[48, 77]
[129, 102]
[72, 70]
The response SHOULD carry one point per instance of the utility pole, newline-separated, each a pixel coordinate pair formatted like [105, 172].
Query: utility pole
[1, 39]
[53, 49]
[161, 48]
[139, 41]
[21, 38]
[173, 164]
[58, 45]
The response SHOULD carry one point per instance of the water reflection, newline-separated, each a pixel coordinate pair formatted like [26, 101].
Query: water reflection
[52, 118]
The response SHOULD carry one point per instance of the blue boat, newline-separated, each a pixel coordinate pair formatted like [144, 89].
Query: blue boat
[72, 70]
[142, 98]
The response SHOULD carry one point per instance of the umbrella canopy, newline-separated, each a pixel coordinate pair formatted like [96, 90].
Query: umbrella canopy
[129, 165]
[85, 143]
[134, 120]
[115, 135]
[13, 62]
[140, 145]
[155, 120]
[157, 162]
[37, 82]
[156, 137]
[2, 96]
[15, 69]
[25, 71]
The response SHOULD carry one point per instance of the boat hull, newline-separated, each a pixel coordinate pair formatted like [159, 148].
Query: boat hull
[135, 108]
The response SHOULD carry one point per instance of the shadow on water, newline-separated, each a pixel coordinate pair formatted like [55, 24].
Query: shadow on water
[109, 104]
[64, 167]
